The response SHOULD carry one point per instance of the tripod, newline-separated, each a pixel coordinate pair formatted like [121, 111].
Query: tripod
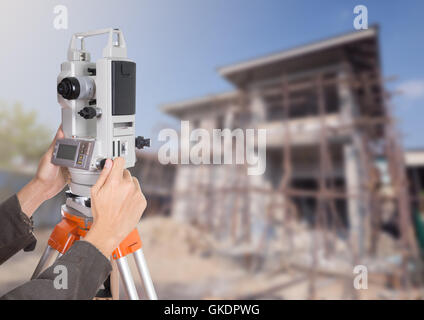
[73, 226]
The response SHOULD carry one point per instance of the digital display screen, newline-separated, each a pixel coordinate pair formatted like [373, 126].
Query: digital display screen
[66, 151]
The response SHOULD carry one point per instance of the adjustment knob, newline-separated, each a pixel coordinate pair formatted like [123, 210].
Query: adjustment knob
[100, 163]
[141, 142]
[89, 112]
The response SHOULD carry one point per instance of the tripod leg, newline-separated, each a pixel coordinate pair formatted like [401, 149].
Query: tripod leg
[48, 254]
[127, 278]
[145, 274]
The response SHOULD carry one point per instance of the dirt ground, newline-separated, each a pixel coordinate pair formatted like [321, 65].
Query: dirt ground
[185, 264]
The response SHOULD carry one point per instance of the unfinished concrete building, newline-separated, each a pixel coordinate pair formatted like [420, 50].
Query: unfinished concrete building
[157, 182]
[333, 158]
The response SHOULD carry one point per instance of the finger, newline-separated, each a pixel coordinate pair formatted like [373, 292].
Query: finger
[65, 174]
[127, 175]
[138, 189]
[136, 183]
[117, 169]
[59, 135]
[103, 175]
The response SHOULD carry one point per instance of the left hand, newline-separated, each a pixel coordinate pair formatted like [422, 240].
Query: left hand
[48, 181]
[49, 177]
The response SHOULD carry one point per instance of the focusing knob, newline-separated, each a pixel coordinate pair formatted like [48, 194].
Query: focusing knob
[88, 112]
[69, 88]
[141, 142]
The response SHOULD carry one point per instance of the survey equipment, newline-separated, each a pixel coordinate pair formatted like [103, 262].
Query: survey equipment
[98, 101]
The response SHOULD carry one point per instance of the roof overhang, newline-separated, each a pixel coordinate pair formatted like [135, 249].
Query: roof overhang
[233, 72]
[177, 107]
[414, 158]
[321, 53]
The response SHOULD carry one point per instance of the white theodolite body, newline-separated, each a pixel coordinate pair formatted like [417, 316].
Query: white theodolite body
[98, 110]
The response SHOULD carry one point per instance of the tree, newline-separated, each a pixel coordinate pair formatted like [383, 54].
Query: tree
[22, 139]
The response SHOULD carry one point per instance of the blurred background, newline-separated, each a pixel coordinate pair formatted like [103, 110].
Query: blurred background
[345, 159]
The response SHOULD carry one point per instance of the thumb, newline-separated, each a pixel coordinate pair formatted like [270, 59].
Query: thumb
[103, 176]
[59, 135]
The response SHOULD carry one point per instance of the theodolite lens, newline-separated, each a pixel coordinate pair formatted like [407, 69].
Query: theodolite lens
[69, 88]
[72, 88]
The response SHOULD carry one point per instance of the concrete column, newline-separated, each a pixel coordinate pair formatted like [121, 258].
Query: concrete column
[352, 182]
[257, 202]
[257, 107]
[352, 166]
[257, 206]
[229, 117]
[180, 209]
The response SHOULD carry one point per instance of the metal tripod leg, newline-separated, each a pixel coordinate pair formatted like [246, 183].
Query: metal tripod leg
[48, 254]
[145, 274]
[127, 279]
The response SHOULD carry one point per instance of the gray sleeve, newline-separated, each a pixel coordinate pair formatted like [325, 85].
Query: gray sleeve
[77, 275]
[15, 229]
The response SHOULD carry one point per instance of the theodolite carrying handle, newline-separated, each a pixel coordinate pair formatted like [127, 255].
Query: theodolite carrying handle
[113, 49]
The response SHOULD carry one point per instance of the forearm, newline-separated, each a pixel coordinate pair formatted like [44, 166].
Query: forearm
[77, 275]
[31, 196]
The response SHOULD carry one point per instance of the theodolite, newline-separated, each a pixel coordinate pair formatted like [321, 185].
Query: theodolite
[98, 101]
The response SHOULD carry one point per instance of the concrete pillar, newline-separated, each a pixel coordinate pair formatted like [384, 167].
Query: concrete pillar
[352, 165]
[352, 183]
[257, 107]
[257, 202]
[229, 117]
[180, 208]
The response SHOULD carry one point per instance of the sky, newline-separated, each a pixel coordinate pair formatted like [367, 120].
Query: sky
[179, 44]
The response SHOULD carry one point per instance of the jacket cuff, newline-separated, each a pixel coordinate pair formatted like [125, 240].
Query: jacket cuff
[28, 226]
[18, 228]
[12, 209]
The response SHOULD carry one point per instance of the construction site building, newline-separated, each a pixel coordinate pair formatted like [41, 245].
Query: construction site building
[333, 159]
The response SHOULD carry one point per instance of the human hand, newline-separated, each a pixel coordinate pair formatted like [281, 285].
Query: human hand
[117, 205]
[48, 181]
[50, 177]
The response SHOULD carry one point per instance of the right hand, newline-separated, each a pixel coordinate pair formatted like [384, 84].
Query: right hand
[117, 205]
